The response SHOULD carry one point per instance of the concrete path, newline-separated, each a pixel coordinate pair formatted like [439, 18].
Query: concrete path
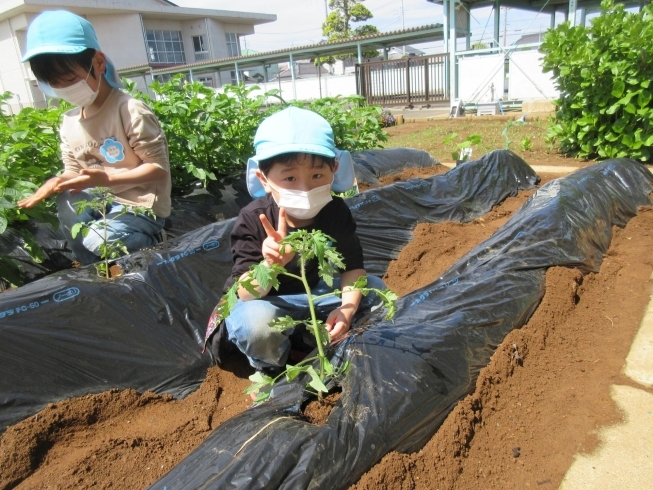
[624, 459]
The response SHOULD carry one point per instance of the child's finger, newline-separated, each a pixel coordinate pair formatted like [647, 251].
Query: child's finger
[282, 229]
[267, 226]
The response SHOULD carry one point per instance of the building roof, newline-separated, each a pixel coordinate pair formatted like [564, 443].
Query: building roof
[432, 32]
[542, 5]
[150, 9]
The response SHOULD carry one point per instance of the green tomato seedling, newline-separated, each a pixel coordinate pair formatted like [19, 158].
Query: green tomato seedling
[307, 245]
[100, 203]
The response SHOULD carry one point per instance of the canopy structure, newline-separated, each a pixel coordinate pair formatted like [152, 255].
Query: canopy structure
[461, 12]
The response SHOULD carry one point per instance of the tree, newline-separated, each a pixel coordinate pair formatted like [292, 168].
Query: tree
[479, 45]
[337, 25]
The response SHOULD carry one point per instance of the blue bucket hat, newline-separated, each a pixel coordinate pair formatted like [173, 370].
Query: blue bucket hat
[62, 32]
[297, 130]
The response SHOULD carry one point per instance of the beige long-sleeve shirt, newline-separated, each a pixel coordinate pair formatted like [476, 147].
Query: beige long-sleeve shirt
[122, 135]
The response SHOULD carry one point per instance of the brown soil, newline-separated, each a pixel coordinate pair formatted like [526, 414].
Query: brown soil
[546, 389]
[317, 411]
[409, 173]
[547, 404]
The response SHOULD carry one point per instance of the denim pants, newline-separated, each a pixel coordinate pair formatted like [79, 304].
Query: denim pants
[248, 328]
[134, 231]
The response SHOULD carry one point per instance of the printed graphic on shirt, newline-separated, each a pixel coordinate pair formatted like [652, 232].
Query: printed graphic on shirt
[112, 150]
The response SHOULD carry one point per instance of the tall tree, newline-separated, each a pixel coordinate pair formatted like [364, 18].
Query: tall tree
[337, 25]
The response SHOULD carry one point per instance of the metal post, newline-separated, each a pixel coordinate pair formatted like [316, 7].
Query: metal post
[190, 72]
[573, 4]
[468, 37]
[360, 55]
[582, 17]
[553, 19]
[237, 74]
[453, 88]
[445, 26]
[292, 74]
[319, 76]
[497, 21]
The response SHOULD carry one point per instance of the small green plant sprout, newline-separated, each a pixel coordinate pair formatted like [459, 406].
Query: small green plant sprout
[109, 250]
[506, 130]
[307, 245]
[527, 144]
[464, 151]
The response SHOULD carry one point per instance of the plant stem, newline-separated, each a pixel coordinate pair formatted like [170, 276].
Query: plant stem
[316, 331]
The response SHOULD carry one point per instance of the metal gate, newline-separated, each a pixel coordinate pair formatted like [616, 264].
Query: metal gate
[408, 81]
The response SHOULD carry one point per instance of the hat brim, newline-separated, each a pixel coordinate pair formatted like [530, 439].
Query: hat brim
[269, 152]
[61, 49]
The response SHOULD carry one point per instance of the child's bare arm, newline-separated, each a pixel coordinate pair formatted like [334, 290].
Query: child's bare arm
[339, 320]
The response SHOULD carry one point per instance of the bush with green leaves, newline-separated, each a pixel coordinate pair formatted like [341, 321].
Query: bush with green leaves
[464, 151]
[29, 155]
[308, 246]
[356, 125]
[604, 76]
[209, 133]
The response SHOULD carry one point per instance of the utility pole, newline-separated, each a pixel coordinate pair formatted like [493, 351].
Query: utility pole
[326, 9]
[505, 21]
[403, 26]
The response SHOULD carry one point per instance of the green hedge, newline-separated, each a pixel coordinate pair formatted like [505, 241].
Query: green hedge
[604, 75]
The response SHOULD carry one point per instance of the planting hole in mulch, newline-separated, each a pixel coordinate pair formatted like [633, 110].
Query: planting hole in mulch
[409, 173]
[317, 411]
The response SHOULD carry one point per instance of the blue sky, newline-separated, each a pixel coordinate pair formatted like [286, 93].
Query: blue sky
[299, 21]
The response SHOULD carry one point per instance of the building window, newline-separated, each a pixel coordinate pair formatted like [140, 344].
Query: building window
[207, 81]
[233, 47]
[165, 47]
[201, 53]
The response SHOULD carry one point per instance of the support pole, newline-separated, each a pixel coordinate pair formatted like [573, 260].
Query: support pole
[553, 19]
[360, 55]
[497, 21]
[445, 25]
[292, 74]
[468, 37]
[573, 4]
[190, 73]
[237, 74]
[453, 88]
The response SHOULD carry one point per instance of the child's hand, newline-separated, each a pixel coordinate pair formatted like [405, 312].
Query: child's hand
[339, 321]
[88, 178]
[271, 249]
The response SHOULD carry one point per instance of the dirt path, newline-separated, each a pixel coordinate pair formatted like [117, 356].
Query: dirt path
[126, 440]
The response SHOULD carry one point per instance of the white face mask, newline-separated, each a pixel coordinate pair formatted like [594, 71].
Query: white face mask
[79, 94]
[303, 204]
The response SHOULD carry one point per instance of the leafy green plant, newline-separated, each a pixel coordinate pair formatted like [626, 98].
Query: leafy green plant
[526, 144]
[109, 250]
[604, 76]
[308, 246]
[29, 155]
[356, 125]
[209, 133]
[464, 151]
[506, 131]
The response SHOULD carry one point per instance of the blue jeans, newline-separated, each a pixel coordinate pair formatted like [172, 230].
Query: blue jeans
[264, 347]
[134, 231]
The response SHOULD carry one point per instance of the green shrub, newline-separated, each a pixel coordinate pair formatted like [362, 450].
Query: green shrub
[29, 155]
[208, 133]
[604, 74]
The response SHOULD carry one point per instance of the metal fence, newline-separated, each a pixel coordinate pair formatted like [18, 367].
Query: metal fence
[409, 81]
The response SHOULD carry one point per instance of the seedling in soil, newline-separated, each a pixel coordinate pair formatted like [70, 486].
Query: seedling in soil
[506, 129]
[464, 152]
[108, 250]
[307, 245]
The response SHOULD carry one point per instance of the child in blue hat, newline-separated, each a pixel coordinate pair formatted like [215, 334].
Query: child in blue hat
[292, 175]
[109, 140]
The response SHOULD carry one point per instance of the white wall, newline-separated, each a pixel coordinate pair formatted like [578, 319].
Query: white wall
[14, 76]
[309, 88]
[125, 49]
[477, 73]
[527, 80]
